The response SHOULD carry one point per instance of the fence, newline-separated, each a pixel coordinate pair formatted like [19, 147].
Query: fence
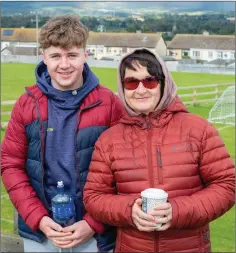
[205, 68]
[171, 65]
[194, 94]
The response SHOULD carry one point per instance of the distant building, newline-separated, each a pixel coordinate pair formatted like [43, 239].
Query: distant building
[18, 50]
[117, 44]
[100, 44]
[202, 47]
[101, 28]
[18, 36]
[231, 19]
[138, 17]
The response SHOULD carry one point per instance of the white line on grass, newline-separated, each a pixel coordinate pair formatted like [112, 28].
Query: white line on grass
[7, 220]
[5, 196]
[221, 128]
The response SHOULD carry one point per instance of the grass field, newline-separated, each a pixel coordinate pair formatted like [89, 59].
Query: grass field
[16, 76]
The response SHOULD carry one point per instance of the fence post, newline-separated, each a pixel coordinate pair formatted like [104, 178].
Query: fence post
[217, 91]
[15, 221]
[194, 96]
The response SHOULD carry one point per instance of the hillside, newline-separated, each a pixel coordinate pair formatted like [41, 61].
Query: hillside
[104, 7]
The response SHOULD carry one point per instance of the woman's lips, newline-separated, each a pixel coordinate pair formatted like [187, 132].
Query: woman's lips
[142, 99]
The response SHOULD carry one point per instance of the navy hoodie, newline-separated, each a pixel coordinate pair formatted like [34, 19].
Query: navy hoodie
[63, 109]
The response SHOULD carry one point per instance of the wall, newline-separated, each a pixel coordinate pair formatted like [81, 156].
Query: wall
[161, 47]
[204, 54]
[171, 65]
[177, 53]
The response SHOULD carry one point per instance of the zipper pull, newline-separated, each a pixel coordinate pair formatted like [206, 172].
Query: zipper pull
[159, 161]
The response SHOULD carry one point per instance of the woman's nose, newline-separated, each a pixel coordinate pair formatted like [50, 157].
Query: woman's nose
[141, 88]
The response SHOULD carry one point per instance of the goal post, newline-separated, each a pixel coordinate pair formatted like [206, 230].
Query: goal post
[223, 111]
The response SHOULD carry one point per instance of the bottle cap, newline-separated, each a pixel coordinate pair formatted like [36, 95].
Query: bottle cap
[60, 184]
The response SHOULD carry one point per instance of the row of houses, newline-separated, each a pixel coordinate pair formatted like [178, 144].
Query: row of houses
[204, 47]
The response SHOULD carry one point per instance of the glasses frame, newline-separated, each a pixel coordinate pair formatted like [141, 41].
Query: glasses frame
[131, 83]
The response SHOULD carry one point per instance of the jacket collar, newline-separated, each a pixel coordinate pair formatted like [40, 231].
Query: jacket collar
[92, 98]
[156, 118]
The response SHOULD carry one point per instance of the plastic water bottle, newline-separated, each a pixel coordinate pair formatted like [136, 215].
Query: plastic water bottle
[63, 208]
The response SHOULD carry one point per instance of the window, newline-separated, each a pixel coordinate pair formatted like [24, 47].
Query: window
[210, 54]
[196, 53]
[220, 54]
[232, 55]
[8, 32]
[185, 53]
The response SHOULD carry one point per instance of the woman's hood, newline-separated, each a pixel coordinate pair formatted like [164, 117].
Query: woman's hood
[169, 89]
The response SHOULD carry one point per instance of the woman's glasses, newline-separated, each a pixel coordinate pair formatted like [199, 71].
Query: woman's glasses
[131, 83]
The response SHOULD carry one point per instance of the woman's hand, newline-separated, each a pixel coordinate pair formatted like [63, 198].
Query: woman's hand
[143, 221]
[165, 212]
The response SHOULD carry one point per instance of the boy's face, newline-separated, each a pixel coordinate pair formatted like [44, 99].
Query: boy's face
[65, 66]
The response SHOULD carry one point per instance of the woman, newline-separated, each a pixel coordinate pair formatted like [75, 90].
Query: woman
[158, 144]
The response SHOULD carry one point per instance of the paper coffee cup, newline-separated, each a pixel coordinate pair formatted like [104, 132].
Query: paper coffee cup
[151, 197]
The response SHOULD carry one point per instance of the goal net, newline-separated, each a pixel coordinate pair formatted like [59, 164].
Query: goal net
[223, 111]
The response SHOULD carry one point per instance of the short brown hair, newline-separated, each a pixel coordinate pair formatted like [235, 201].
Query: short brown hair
[63, 31]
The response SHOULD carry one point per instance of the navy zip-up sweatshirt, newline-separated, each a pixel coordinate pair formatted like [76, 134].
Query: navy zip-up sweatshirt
[63, 109]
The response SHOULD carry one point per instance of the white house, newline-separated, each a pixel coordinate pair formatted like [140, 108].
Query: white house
[99, 44]
[202, 46]
[117, 44]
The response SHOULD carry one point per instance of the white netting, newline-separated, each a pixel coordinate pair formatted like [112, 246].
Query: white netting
[223, 111]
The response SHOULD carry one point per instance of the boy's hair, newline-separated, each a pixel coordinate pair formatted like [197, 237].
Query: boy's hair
[146, 59]
[63, 31]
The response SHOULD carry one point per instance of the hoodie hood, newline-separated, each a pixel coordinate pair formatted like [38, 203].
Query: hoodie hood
[169, 89]
[43, 79]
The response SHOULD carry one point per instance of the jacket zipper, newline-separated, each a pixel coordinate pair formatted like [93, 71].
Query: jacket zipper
[159, 162]
[149, 151]
[43, 146]
[76, 155]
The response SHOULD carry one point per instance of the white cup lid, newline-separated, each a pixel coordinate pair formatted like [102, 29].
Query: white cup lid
[154, 193]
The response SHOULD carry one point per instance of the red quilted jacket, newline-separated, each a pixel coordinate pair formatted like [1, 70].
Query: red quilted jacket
[175, 151]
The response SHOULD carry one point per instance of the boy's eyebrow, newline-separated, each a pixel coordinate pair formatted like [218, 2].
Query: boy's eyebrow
[54, 54]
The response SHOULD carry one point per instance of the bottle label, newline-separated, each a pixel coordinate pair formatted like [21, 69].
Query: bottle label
[63, 211]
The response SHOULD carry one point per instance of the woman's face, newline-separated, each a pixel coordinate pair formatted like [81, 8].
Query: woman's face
[141, 100]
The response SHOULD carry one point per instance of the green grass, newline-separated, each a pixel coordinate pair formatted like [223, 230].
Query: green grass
[223, 232]
[16, 76]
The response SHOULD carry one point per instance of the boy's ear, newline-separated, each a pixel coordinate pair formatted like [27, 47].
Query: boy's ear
[86, 54]
[44, 57]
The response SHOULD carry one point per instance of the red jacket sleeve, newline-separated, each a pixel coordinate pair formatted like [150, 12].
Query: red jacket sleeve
[218, 175]
[100, 198]
[96, 226]
[15, 179]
